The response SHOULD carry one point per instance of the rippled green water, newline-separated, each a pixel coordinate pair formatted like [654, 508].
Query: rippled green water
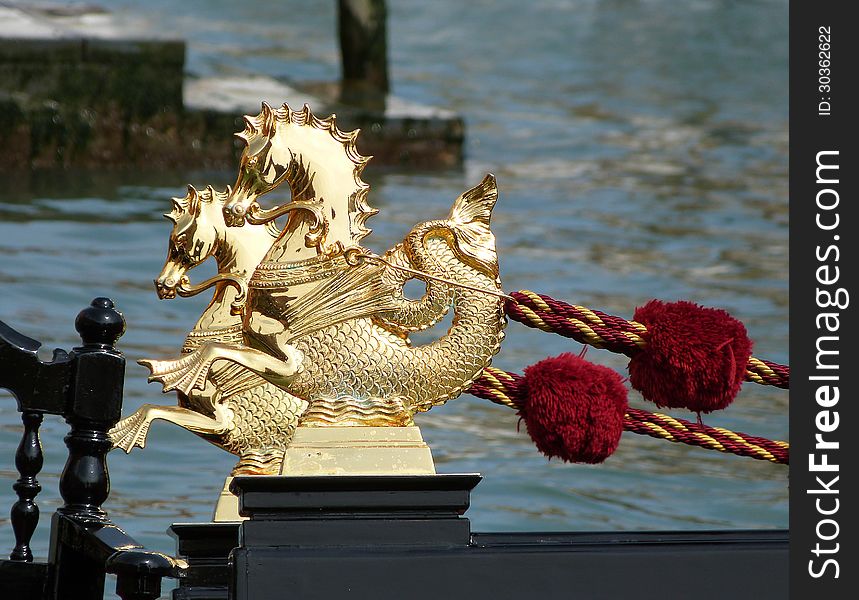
[641, 151]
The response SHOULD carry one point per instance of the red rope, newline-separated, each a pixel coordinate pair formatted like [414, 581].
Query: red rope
[612, 333]
[509, 389]
[698, 434]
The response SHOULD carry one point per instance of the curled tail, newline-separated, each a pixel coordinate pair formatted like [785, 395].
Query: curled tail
[460, 249]
[469, 221]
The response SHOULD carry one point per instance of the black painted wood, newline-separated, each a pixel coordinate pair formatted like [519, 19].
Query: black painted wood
[360, 541]
[85, 387]
[25, 512]
[86, 545]
[23, 580]
[139, 573]
[37, 386]
[554, 564]
[94, 404]
[649, 569]
[84, 483]
[207, 548]
[280, 497]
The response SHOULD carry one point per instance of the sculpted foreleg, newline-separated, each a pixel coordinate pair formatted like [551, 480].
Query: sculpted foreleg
[132, 430]
[190, 372]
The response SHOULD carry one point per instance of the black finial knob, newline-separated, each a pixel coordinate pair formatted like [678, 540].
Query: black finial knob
[100, 324]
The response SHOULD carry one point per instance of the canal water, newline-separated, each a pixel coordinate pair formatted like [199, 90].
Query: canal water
[641, 152]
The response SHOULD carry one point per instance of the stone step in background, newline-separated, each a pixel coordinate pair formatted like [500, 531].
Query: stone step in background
[79, 88]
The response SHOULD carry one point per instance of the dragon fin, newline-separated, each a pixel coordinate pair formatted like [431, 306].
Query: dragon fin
[232, 379]
[355, 292]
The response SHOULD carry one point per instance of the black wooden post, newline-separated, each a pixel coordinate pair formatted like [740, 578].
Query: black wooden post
[363, 33]
[96, 407]
[96, 398]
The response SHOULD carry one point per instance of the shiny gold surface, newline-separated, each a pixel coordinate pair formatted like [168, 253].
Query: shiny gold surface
[227, 505]
[358, 451]
[321, 338]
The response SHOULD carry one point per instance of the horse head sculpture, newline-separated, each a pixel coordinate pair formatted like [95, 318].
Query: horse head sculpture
[199, 232]
[322, 167]
[193, 239]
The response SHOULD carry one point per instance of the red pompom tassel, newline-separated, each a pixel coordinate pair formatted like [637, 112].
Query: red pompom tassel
[573, 409]
[695, 357]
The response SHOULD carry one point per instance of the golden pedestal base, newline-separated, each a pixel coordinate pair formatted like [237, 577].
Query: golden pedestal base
[227, 507]
[316, 451]
[358, 451]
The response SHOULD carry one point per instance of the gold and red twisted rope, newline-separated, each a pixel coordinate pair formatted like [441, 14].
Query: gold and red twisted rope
[506, 388]
[612, 333]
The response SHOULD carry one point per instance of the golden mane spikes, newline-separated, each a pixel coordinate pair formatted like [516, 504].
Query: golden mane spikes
[172, 216]
[210, 195]
[250, 126]
[265, 124]
[267, 120]
[306, 114]
[193, 199]
[180, 206]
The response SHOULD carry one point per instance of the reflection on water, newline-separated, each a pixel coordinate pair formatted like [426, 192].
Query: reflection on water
[641, 151]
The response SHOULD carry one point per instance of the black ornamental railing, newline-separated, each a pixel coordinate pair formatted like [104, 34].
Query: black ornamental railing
[83, 386]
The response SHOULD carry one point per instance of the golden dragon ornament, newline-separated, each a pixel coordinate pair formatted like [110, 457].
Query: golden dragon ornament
[307, 332]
